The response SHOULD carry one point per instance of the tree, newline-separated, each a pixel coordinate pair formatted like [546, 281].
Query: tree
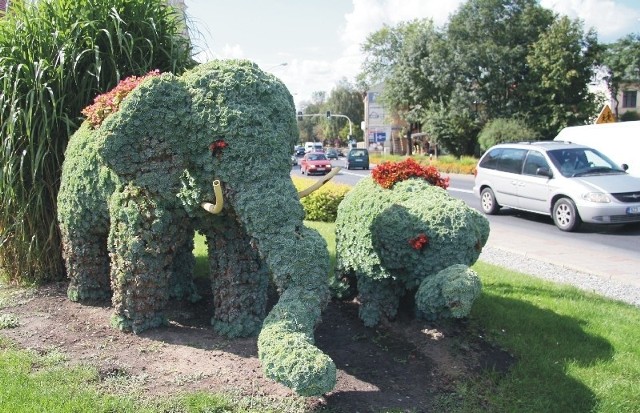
[55, 57]
[490, 40]
[344, 99]
[561, 65]
[622, 60]
[494, 59]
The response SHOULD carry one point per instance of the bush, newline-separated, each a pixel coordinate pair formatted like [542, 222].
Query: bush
[321, 205]
[629, 116]
[504, 130]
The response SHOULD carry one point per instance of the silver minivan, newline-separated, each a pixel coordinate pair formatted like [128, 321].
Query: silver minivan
[571, 183]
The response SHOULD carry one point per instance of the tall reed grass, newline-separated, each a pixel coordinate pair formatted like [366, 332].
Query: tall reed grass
[55, 57]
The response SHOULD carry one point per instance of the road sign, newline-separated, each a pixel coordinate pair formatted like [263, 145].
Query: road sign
[606, 116]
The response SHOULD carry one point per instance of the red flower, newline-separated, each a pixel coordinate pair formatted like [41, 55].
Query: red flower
[108, 103]
[217, 146]
[388, 173]
[419, 241]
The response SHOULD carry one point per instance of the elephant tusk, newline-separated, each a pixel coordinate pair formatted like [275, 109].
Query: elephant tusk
[217, 207]
[319, 183]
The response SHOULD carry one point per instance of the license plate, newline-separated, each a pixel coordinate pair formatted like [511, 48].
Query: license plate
[633, 210]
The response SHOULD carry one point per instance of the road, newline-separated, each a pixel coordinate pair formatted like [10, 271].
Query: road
[611, 252]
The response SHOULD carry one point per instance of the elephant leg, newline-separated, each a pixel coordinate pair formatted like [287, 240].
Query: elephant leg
[378, 298]
[142, 249]
[181, 284]
[87, 263]
[239, 282]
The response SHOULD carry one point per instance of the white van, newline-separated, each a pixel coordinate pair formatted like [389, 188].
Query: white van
[312, 147]
[620, 141]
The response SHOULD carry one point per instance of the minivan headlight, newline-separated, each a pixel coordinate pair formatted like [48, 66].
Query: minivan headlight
[598, 197]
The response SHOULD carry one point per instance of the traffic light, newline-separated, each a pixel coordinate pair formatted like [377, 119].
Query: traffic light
[299, 115]
[328, 114]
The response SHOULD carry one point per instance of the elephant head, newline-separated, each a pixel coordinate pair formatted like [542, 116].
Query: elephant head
[210, 151]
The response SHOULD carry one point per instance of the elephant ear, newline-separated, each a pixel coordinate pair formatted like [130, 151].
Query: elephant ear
[144, 141]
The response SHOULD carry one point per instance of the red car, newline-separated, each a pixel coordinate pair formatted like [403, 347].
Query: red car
[315, 163]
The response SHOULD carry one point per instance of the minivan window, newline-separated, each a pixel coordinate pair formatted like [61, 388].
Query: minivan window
[534, 161]
[511, 160]
[490, 160]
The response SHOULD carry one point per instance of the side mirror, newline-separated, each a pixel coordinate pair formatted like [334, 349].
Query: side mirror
[544, 171]
[624, 167]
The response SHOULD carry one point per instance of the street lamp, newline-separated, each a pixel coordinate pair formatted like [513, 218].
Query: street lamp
[278, 65]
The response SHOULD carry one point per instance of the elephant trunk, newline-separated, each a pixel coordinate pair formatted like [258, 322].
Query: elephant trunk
[216, 207]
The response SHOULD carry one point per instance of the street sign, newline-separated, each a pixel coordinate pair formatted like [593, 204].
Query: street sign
[606, 116]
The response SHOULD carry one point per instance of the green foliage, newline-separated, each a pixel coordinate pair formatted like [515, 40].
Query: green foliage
[504, 130]
[344, 99]
[200, 127]
[561, 63]
[492, 59]
[322, 204]
[55, 56]
[622, 61]
[449, 293]
[376, 233]
[629, 116]
[8, 321]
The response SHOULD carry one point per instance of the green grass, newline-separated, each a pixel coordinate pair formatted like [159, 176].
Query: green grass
[574, 352]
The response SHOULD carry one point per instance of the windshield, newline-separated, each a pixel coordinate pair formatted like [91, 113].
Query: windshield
[572, 162]
[317, 157]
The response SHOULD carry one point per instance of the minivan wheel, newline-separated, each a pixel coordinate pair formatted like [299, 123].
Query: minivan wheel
[565, 215]
[488, 202]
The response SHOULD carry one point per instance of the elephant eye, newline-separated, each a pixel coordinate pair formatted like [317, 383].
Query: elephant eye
[217, 146]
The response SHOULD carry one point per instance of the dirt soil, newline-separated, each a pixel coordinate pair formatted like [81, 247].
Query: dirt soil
[406, 365]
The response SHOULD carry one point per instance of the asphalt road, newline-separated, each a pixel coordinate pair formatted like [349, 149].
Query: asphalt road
[611, 252]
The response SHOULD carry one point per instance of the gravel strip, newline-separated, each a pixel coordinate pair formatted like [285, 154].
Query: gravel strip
[557, 273]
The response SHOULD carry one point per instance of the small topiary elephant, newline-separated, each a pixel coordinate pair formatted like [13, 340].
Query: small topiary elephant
[401, 233]
[136, 185]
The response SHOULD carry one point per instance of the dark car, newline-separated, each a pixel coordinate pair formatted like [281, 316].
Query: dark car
[315, 163]
[332, 153]
[358, 158]
[298, 151]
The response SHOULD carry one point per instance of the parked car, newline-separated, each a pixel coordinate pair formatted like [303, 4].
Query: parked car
[294, 160]
[315, 162]
[571, 183]
[331, 153]
[358, 158]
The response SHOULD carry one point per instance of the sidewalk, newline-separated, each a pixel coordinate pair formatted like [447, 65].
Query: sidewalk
[604, 262]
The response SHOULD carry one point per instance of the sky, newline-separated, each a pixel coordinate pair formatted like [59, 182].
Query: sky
[312, 45]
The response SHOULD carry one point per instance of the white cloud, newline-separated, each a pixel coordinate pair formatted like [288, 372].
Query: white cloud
[367, 17]
[611, 19]
[232, 52]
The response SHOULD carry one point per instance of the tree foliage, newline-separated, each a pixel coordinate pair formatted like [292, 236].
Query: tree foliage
[494, 59]
[622, 60]
[502, 130]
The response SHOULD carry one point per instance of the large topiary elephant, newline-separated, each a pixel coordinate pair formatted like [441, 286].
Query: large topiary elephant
[207, 151]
